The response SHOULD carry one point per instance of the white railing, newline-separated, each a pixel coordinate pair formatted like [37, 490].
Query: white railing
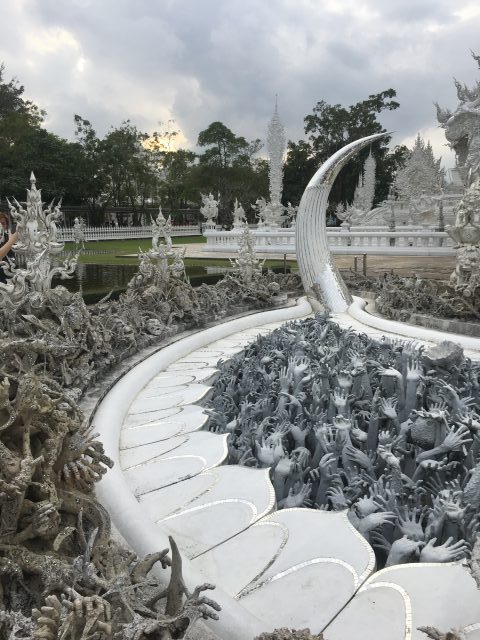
[123, 233]
[341, 241]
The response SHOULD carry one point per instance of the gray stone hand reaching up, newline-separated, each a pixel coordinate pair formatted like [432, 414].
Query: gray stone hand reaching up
[449, 551]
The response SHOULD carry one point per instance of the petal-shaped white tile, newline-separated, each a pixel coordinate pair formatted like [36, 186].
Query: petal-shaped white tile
[320, 534]
[201, 451]
[189, 394]
[217, 484]
[193, 416]
[157, 432]
[167, 379]
[236, 563]
[208, 354]
[200, 528]
[176, 497]
[148, 405]
[306, 596]
[189, 365]
[394, 602]
[156, 392]
[141, 419]
[301, 549]
[238, 497]
[148, 452]
[173, 378]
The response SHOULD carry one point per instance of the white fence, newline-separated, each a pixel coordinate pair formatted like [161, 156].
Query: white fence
[341, 241]
[123, 233]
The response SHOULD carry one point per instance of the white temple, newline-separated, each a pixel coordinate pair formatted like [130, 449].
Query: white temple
[411, 220]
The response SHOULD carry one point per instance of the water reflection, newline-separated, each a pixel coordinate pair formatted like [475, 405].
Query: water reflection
[96, 280]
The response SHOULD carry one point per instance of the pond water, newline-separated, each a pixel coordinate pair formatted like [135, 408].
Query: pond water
[96, 280]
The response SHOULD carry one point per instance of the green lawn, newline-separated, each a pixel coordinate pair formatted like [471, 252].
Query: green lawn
[131, 246]
[120, 252]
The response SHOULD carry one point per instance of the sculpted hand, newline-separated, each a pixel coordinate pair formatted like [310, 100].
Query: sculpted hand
[297, 499]
[456, 438]
[375, 520]
[327, 464]
[284, 466]
[402, 551]
[388, 406]
[389, 457]
[410, 523]
[389, 373]
[358, 457]
[446, 552]
[337, 498]
[414, 369]
[365, 506]
[265, 453]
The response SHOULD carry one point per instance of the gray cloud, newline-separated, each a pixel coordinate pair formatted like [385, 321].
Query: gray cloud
[203, 60]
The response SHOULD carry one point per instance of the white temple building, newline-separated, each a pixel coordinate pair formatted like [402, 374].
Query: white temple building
[411, 220]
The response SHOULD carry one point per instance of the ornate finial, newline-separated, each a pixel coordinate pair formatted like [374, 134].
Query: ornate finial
[475, 57]
[33, 180]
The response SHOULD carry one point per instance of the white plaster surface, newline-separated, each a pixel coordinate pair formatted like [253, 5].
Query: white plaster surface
[394, 602]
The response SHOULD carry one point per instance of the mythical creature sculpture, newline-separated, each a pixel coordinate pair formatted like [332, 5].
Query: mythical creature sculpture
[239, 218]
[209, 208]
[246, 264]
[79, 231]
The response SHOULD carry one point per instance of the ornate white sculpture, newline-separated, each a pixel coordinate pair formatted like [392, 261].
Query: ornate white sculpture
[239, 217]
[37, 242]
[209, 210]
[79, 231]
[421, 177]
[246, 264]
[162, 228]
[321, 278]
[363, 196]
[462, 130]
[259, 207]
[276, 145]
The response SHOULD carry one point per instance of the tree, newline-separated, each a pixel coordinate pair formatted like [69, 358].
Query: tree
[176, 187]
[228, 167]
[329, 128]
[225, 149]
[25, 146]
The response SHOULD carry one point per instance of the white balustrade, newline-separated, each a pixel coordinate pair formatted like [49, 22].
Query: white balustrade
[408, 241]
[65, 234]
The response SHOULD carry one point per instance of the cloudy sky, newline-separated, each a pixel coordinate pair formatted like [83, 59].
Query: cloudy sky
[197, 61]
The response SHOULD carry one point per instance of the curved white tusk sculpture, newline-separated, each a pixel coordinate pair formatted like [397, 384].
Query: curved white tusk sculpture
[320, 277]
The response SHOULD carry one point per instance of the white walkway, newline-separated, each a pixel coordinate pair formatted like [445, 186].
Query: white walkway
[295, 568]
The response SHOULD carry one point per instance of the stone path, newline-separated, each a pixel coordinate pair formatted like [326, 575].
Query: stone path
[296, 567]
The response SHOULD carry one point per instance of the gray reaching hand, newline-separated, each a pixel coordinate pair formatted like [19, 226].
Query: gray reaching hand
[374, 520]
[456, 438]
[446, 552]
[388, 406]
[402, 551]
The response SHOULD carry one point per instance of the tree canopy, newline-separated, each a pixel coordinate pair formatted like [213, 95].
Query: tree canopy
[128, 167]
[329, 128]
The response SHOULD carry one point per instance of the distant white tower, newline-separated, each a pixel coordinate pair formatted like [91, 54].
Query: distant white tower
[276, 146]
